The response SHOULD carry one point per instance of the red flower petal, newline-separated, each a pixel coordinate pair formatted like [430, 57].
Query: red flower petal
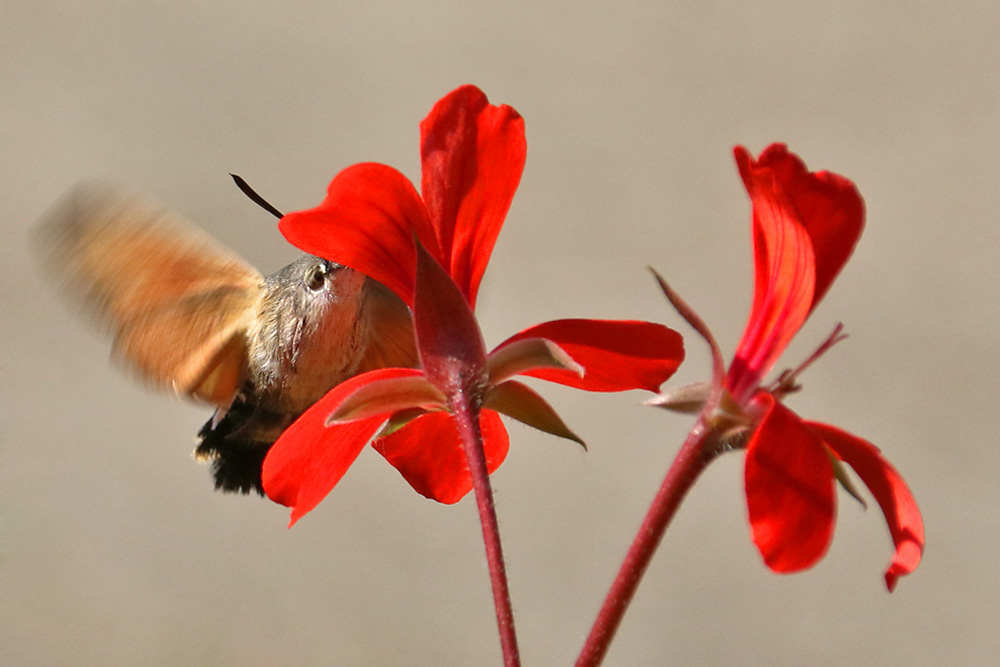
[367, 222]
[893, 496]
[617, 355]
[790, 490]
[473, 154]
[805, 227]
[428, 454]
[829, 205]
[784, 280]
[309, 458]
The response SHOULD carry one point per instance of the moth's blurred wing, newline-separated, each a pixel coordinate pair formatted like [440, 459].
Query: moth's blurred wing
[178, 302]
[390, 341]
[196, 345]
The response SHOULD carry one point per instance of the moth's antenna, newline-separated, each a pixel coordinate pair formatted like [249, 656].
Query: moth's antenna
[256, 198]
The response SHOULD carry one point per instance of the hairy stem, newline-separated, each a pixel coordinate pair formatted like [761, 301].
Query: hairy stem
[693, 457]
[472, 441]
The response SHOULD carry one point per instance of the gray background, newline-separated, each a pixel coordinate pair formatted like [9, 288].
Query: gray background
[115, 551]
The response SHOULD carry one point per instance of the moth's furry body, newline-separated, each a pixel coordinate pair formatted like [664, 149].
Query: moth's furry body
[308, 306]
[309, 335]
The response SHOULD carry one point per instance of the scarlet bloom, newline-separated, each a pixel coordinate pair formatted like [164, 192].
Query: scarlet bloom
[805, 226]
[431, 249]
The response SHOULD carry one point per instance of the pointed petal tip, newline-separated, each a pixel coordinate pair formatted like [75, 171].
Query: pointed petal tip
[908, 554]
[688, 400]
[840, 474]
[520, 402]
[696, 323]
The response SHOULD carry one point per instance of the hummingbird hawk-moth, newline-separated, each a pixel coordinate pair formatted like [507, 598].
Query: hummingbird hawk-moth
[189, 315]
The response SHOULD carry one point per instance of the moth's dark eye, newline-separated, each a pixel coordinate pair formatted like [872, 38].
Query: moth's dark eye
[316, 277]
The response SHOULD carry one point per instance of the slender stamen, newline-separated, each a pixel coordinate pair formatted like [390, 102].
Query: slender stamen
[787, 382]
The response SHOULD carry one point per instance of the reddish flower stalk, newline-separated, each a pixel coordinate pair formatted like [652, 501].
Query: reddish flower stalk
[472, 441]
[440, 425]
[694, 456]
[805, 228]
[698, 450]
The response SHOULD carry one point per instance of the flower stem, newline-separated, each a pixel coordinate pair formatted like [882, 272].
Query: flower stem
[694, 455]
[472, 441]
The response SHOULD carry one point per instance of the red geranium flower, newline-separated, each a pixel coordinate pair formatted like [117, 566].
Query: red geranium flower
[805, 226]
[431, 249]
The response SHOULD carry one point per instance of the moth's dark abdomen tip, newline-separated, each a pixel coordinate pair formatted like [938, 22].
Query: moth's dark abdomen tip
[236, 462]
[236, 465]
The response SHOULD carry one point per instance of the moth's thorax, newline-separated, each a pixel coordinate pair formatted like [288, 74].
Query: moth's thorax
[310, 334]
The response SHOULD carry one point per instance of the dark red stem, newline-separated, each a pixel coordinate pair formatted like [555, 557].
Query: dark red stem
[472, 441]
[695, 454]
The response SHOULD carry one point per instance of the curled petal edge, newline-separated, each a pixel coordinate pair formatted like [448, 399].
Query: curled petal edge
[902, 515]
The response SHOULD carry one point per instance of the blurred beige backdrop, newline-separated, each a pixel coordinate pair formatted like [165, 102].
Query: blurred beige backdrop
[114, 550]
